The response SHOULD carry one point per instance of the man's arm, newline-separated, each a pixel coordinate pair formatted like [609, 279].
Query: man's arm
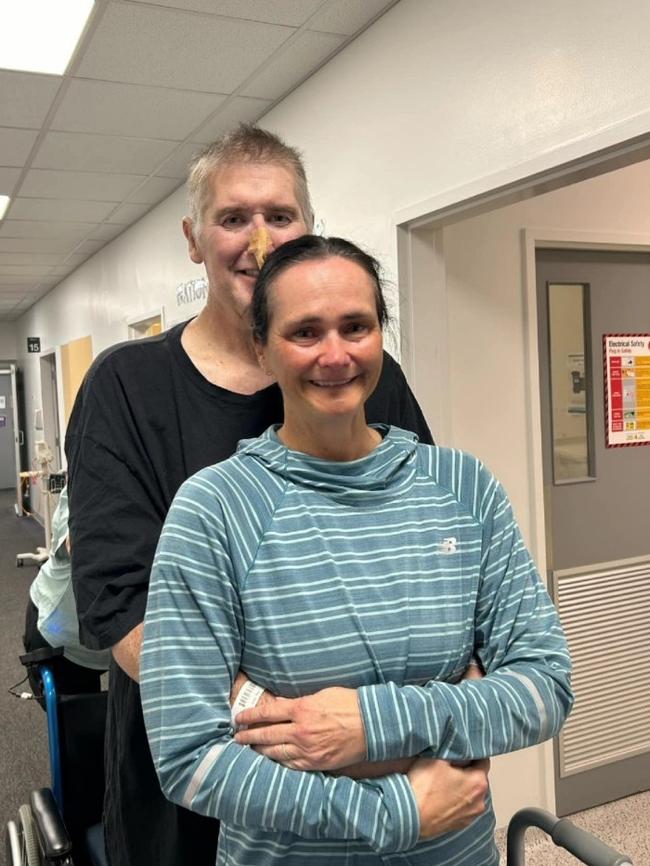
[126, 652]
[117, 507]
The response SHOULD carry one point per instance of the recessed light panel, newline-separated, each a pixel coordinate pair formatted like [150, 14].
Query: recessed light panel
[4, 204]
[40, 35]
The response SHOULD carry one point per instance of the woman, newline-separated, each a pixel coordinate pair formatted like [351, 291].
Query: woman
[51, 619]
[331, 553]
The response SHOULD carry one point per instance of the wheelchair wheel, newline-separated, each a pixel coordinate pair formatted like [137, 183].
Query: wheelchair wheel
[30, 846]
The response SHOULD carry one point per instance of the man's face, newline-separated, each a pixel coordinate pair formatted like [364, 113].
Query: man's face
[245, 197]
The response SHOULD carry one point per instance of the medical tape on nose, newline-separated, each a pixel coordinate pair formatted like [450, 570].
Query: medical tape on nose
[260, 245]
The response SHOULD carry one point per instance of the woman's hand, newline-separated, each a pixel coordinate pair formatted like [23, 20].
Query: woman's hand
[448, 797]
[323, 731]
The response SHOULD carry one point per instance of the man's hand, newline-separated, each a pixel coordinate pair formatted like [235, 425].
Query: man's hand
[448, 797]
[323, 731]
[374, 769]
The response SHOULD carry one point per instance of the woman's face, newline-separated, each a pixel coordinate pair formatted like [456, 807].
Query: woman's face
[324, 344]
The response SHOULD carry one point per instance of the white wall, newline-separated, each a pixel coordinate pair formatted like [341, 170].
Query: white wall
[8, 342]
[437, 101]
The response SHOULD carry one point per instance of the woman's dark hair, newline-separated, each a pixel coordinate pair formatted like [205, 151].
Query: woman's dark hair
[309, 248]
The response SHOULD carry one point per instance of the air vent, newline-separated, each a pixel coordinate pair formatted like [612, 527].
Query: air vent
[605, 612]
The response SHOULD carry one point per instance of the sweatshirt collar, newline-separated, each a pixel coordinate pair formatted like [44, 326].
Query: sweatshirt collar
[387, 471]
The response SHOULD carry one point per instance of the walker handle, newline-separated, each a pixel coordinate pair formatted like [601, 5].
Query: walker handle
[577, 841]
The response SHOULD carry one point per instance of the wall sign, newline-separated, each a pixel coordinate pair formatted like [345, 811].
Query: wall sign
[33, 344]
[194, 290]
[627, 389]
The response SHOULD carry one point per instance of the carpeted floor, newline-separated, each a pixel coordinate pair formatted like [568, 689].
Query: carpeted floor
[625, 824]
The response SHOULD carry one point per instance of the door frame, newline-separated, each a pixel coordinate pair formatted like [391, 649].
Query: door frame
[50, 357]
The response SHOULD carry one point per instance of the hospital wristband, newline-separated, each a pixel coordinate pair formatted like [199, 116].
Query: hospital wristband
[248, 696]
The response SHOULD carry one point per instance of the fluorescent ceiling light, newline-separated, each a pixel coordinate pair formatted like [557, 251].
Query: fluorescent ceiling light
[4, 204]
[40, 35]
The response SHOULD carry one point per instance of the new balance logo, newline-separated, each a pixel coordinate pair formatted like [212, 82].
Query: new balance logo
[448, 545]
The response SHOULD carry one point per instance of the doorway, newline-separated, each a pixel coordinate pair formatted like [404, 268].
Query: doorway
[9, 459]
[146, 326]
[598, 546]
[50, 403]
[12, 438]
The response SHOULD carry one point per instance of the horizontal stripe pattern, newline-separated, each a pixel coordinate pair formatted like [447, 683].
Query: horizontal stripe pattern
[308, 574]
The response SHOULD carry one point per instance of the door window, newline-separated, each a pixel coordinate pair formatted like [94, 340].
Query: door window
[570, 380]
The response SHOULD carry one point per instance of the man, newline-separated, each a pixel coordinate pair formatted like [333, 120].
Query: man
[149, 414]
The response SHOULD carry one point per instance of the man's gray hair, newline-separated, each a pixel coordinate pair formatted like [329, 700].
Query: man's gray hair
[245, 143]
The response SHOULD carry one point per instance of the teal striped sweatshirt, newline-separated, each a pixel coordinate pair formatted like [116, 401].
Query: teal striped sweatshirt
[385, 574]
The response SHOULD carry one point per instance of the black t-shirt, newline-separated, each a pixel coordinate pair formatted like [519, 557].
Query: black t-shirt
[144, 420]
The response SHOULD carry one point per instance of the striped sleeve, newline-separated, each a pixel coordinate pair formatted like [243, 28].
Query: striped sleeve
[526, 693]
[191, 654]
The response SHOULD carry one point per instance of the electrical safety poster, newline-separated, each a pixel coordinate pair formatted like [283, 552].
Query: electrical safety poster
[627, 389]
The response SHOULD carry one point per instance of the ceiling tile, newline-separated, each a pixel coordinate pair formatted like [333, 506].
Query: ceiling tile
[290, 12]
[294, 64]
[239, 109]
[77, 259]
[128, 213]
[37, 229]
[8, 178]
[11, 280]
[152, 45]
[154, 190]
[105, 233]
[132, 110]
[89, 247]
[177, 165]
[12, 258]
[26, 270]
[25, 98]
[85, 152]
[59, 209]
[15, 145]
[64, 270]
[348, 16]
[38, 245]
[88, 186]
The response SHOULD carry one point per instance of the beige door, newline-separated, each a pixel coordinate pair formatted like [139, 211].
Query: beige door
[76, 357]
